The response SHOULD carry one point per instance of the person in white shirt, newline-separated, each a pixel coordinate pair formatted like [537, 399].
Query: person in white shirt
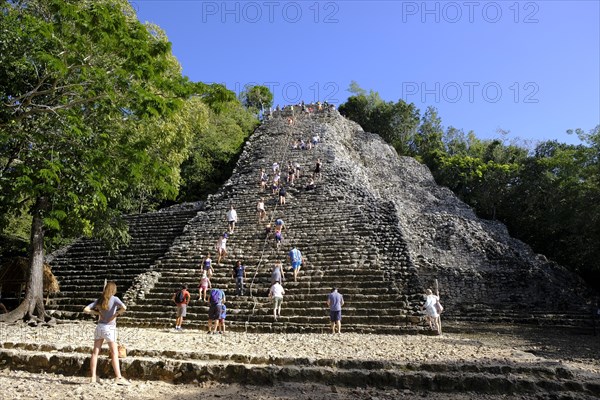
[431, 311]
[232, 218]
[276, 293]
[260, 209]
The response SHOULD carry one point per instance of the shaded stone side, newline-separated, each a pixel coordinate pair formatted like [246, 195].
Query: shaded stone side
[476, 261]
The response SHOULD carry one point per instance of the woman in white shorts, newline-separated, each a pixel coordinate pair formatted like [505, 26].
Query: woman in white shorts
[107, 308]
[260, 210]
[221, 247]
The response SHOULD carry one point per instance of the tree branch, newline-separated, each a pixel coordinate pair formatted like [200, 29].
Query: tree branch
[46, 109]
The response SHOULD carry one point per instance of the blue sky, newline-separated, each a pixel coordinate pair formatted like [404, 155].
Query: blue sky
[528, 67]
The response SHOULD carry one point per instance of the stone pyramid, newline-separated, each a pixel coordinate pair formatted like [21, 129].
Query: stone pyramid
[376, 226]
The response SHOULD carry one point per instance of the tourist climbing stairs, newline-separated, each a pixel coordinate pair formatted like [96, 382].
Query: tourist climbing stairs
[335, 226]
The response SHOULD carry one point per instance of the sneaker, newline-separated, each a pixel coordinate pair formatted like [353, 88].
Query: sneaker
[122, 382]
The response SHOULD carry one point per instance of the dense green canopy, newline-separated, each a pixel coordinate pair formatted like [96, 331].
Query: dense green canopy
[96, 120]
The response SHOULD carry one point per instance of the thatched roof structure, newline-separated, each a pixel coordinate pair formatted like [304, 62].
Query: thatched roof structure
[13, 276]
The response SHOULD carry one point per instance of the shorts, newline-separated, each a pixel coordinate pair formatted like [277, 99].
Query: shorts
[106, 332]
[335, 316]
[431, 312]
[181, 310]
[296, 264]
[203, 287]
[277, 301]
[214, 312]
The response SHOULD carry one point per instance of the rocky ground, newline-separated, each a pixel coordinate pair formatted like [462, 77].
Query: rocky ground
[494, 345]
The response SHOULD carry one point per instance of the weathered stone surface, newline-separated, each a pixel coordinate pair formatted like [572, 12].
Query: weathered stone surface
[376, 225]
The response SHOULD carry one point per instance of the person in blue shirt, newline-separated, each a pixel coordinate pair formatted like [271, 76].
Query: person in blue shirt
[239, 273]
[216, 300]
[335, 301]
[207, 266]
[279, 225]
[222, 317]
[296, 260]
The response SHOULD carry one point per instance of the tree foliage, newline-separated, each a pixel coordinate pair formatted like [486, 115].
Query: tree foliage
[395, 122]
[257, 98]
[91, 119]
[215, 150]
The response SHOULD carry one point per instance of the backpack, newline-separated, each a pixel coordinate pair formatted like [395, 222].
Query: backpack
[179, 297]
[215, 296]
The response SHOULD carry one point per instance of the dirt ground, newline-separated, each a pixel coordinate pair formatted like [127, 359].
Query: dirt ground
[578, 351]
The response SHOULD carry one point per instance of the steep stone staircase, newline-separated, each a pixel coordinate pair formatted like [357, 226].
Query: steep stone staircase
[83, 267]
[339, 229]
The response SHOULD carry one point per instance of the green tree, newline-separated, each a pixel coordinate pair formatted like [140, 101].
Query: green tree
[257, 97]
[89, 120]
[396, 122]
[216, 147]
[215, 95]
[556, 204]
[357, 109]
[428, 140]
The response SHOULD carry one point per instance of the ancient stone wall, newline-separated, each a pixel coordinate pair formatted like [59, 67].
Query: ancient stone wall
[476, 261]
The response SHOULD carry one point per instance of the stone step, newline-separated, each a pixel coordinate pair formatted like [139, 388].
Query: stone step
[223, 270]
[528, 319]
[310, 316]
[187, 367]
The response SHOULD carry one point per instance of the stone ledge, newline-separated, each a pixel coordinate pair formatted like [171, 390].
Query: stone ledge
[431, 378]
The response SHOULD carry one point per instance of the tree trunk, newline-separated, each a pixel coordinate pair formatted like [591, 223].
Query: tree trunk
[32, 307]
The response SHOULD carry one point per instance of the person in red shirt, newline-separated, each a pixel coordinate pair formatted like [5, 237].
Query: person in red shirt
[181, 298]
